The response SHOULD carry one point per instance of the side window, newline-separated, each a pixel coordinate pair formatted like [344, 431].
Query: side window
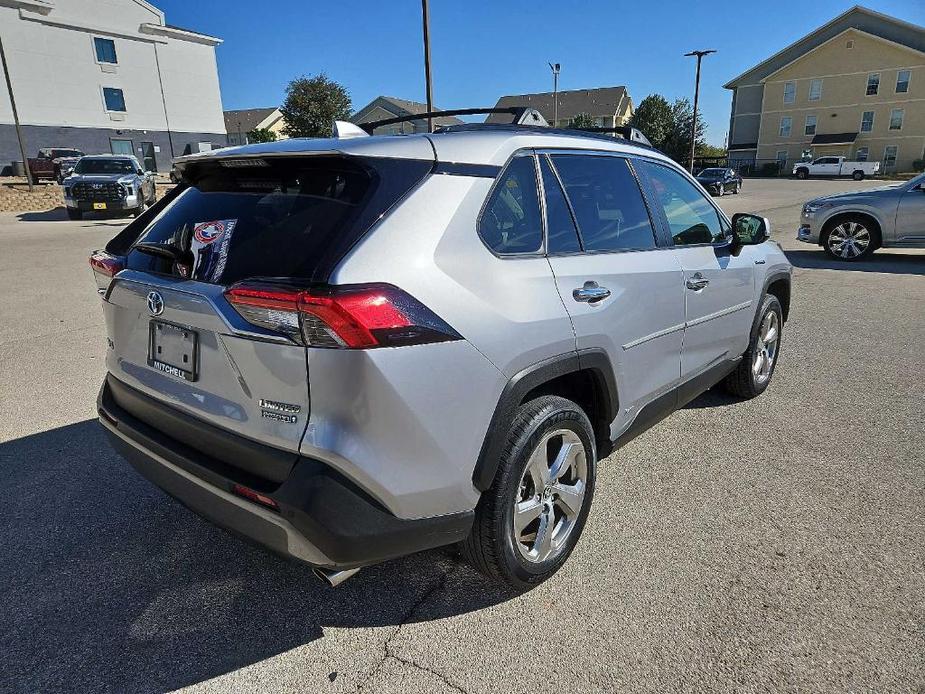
[561, 235]
[691, 218]
[511, 221]
[608, 204]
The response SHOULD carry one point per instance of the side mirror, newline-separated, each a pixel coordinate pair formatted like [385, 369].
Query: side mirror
[69, 171]
[749, 229]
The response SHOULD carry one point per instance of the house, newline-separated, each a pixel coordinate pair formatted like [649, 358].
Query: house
[853, 87]
[383, 107]
[239, 123]
[608, 107]
[107, 76]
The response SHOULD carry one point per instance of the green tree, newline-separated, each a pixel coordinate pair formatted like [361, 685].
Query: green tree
[312, 105]
[678, 145]
[581, 120]
[261, 135]
[711, 151]
[653, 117]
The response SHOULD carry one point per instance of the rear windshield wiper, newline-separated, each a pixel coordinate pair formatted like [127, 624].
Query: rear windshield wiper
[161, 250]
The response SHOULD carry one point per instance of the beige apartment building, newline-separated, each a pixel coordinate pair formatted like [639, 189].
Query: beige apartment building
[854, 87]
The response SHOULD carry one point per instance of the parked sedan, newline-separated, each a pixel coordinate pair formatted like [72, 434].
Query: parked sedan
[720, 181]
[851, 226]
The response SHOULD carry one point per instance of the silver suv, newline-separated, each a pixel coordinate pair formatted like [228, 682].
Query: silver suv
[355, 348]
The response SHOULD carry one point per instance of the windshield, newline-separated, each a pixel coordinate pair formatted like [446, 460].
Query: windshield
[294, 217]
[917, 181]
[711, 173]
[105, 166]
[58, 153]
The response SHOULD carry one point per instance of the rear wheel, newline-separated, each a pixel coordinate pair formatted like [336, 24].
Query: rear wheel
[74, 214]
[529, 521]
[851, 238]
[753, 374]
[858, 175]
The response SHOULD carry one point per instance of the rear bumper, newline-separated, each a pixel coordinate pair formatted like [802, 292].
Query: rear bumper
[323, 518]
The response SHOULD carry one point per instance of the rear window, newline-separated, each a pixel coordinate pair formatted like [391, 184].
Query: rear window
[292, 218]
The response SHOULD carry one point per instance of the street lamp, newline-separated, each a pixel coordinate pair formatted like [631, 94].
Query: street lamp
[9, 87]
[555, 92]
[425, 16]
[699, 55]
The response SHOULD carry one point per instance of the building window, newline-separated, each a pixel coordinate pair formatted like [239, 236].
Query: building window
[115, 100]
[786, 124]
[889, 156]
[896, 119]
[873, 83]
[105, 50]
[815, 90]
[790, 92]
[902, 81]
[849, 44]
[782, 159]
[810, 128]
[124, 147]
[862, 154]
[867, 121]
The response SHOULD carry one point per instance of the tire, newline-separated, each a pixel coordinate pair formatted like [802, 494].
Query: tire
[138, 211]
[542, 428]
[802, 174]
[735, 191]
[74, 214]
[858, 175]
[721, 190]
[850, 238]
[753, 374]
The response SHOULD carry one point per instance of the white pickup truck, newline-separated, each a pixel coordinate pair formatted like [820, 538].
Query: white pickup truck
[836, 166]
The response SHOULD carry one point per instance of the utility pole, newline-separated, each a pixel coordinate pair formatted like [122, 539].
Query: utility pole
[699, 55]
[555, 92]
[425, 12]
[9, 87]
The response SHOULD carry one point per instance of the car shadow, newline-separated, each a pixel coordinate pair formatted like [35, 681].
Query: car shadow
[58, 214]
[108, 585]
[715, 397]
[878, 261]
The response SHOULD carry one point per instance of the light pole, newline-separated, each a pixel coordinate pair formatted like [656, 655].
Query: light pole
[555, 92]
[699, 55]
[425, 13]
[22, 146]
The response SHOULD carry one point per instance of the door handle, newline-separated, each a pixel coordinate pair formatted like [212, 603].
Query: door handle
[590, 293]
[697, 282]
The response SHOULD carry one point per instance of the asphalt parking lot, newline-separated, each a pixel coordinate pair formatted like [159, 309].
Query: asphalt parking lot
[773, 545]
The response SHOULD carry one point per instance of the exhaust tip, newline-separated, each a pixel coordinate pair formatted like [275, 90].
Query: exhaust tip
[334, 578]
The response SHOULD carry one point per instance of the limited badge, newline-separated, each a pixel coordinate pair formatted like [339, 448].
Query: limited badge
[207, 232]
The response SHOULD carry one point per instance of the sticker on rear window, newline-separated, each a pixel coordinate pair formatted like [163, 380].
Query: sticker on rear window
[207, 232]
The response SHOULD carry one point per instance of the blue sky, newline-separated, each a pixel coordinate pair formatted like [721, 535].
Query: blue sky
[484, 49]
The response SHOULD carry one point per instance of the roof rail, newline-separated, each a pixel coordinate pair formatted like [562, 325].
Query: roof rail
[626, 131]
[521, 115]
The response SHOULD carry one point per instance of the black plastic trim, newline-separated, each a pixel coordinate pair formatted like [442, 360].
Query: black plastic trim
[452, 168]
[347, 526]
[595, 362]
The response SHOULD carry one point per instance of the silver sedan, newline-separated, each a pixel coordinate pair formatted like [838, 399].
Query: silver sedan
[850, 226]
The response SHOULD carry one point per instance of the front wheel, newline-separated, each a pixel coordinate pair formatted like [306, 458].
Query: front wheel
[138, 211]
[528, 522]
[721, 190]
[74, 214]
[753, 374]
[850, 240]
[735, 191]
[802, 174]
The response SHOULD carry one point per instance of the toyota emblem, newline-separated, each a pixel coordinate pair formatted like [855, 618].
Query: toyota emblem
[155, 303]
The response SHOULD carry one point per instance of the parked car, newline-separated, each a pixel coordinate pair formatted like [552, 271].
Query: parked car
[353, 349]
[108, 183]
[836, 167]
[851, 226]
[719, 181]
[53, 162]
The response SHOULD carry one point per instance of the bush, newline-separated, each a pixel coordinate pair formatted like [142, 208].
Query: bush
[918, 165]
[770, 168]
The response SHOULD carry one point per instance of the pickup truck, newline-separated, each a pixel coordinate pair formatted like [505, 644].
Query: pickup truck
[53, 163]
[836, 166]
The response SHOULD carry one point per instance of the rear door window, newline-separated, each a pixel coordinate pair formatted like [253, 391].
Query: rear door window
[290, 218]
[561, 234]
[511, 222]
[607, 202]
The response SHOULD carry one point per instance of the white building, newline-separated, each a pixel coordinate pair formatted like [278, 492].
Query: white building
[107, 76]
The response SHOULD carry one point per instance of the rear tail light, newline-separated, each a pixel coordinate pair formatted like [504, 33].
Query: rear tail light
[105, 266]
[348, 317]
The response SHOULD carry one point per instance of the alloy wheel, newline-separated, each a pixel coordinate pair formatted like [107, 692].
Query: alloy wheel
[849, 240]
[550, 496]
[766, 347]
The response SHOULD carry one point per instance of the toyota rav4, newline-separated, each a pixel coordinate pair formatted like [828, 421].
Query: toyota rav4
[355, 348]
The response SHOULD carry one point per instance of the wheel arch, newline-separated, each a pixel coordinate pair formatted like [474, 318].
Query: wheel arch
[842, 215]
[585, 377]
